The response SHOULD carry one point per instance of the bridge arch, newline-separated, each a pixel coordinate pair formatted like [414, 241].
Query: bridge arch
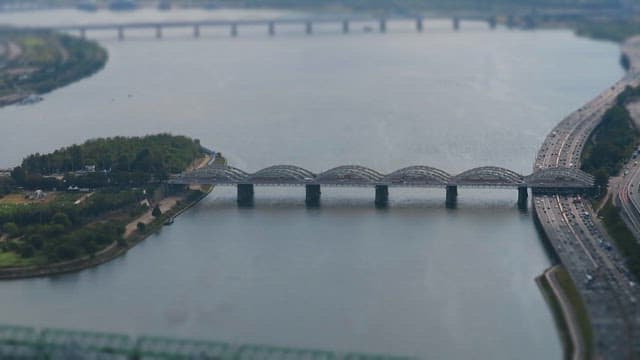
[212, 174]
[418, 175]
[282, 174]
[349, 174]
[489, 176]
[560, 177]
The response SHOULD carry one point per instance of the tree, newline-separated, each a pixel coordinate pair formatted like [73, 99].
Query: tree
[142, 227]
[601, 180]
[61, 219]
[18, 174]
[156, 212]
[11, 229]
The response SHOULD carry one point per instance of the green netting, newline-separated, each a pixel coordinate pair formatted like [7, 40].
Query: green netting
[25, 343]
[17, 334]
[162, 347]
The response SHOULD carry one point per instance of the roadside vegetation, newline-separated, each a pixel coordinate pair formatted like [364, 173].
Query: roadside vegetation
[625, 241]
[85, 201]
[556, 309]
[610, 146]
[36, 62]
[612, 143]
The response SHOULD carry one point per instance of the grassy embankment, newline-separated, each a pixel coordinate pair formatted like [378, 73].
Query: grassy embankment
[558, 315]
[36, 62]
[610, 146]
[579, 308]
[577, 305]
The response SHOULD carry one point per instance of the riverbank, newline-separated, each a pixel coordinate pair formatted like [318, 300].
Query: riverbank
[36, 62]
[82, 205]
[565, 147]
[569, 312]
[175, 205]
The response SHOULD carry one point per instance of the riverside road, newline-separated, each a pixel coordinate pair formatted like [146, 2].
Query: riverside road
[598, 270]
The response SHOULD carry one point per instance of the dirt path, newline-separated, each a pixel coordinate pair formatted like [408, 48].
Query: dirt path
[165, 205]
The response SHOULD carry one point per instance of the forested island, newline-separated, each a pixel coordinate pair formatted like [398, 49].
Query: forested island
[84, 204]
[36, 62]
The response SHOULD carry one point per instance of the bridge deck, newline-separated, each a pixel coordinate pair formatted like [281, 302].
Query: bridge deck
[413, 176]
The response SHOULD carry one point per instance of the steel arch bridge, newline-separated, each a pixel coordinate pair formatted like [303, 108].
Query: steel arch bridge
[412, 176]
[281, 175]
[349, 175]
[560, 177]
[418, 176]
[489, 176]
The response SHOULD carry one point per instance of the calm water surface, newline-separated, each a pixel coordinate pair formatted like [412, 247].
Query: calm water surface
[416, 279]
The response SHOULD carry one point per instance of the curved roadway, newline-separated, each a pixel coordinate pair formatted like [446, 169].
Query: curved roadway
[599, 272]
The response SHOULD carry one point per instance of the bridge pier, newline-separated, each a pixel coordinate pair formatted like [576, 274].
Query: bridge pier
[120, 33]
[196, 31]
[419, 24]
[523, 195]
[452, 196]
[345, 26]
[383, 25]
[83, 33]
[272, 28]
[245, 195]
[234, 29]
[312, 195]
[493, 22]
[456, 23]
[382, 196]
[158, 32]
[308, 28]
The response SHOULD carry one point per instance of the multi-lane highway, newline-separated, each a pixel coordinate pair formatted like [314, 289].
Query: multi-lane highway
[610, 294]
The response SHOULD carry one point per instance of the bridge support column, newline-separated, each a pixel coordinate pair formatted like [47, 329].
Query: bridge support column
[234, 29]
[272, 28]
[345, 26]
[196, 31]
[309, 27]
[523, 195]
[419, 24]
[120, 33]
[158, 32]
[313, 195]
[383, 25]
[493, 22]
[83, 33]
[456, 23]
[452, 196]
[245, 195]
[382, 196]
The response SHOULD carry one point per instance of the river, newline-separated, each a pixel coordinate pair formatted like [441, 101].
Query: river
[415, 279]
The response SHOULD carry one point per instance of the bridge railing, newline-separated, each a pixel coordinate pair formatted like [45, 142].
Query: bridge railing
[413, 176]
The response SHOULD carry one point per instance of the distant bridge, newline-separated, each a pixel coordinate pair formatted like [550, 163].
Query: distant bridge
[343, 23]
[549, 180]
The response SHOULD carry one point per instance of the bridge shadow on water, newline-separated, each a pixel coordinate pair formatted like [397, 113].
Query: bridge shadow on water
[361, 199]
